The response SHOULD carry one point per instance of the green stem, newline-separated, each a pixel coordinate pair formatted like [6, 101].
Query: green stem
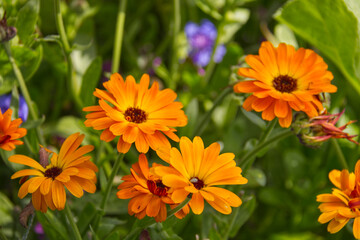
[21, 81]
[108, 190]
[67, 51]
[206, 118]
[29, 227]
[148, 222]
[268, 131]
[248, 156]
[174, 60]
[232, 222]
[118, 36]
[340, 154]
[73, 225]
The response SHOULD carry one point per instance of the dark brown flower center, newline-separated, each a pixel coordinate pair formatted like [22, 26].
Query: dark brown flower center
[53, 172]
[285, 83]
[135, 115]
[157, 187]
[4, 138]
[198, 184]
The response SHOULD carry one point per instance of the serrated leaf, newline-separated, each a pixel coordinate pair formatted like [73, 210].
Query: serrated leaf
[314, 21]
[89, 82]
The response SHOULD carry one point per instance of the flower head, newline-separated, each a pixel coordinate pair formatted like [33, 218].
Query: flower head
[284, 79]
[321, 128]
[343, 203]
[148, 194]
[70, 169]
[5, 101]
[202, 39]
[197, 171]
[10, 131]
[136, 114]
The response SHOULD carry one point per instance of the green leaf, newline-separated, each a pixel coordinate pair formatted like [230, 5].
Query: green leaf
[192, 112]
[6, 210]
[26, 20]
[29, 124]
[332, 28]
[90, 81]
[243, 214]
[256, 178]
[234, 20]
[53, 228]
[86, 216]
[285, 35]
[28, 60]
[254, 118]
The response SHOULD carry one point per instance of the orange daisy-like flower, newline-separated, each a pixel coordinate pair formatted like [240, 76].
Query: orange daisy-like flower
[136, 114]
[197, 170]
[10, 131]
[68, 169]
[343, 203]
[285, 79]
[148, 194]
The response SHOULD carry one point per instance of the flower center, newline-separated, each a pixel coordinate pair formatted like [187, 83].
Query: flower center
[284, 83]
[53, 172]
[157, 187]
[198, 184]
[135, 115]
[4, 138]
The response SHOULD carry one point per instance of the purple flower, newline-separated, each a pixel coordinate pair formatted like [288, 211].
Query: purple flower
[202, 39]
[23, 107]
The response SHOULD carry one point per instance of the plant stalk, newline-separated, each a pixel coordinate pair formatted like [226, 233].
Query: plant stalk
[118, 36]
[340, 154]
[73, 225]
[174, 59]
[108, 190]
[21, 81]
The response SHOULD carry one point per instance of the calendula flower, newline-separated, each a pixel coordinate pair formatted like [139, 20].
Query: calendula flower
[136, 114]
[69, 169]
[148, 194]
[343, 203]
[322, 128]
[284, 79]
[197, 171]
[10, 131]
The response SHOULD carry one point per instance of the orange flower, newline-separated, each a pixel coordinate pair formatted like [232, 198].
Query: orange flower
[136, 114]
[343, 203]
[69, 169]
[197, 171]
[10, 131]
[148, 195]
[285, 79]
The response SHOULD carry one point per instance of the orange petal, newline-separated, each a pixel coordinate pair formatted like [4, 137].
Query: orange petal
[21, 159]
[153, 208]
[197, 203]
[58, 194]
[123, 147]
